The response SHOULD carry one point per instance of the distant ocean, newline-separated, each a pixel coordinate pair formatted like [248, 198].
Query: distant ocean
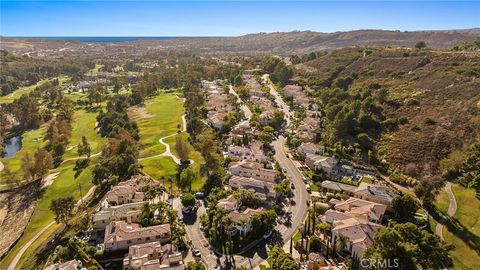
[103, 39]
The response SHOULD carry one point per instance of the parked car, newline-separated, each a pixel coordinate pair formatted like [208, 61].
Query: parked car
[307, 186]
[304, 179]
[196, 252]
[267, 235]
[292, 186]
[199, 195]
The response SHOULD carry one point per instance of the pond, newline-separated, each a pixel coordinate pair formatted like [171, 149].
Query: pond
[12, 146]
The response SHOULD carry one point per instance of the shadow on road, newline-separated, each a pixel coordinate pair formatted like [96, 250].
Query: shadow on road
[190, 218]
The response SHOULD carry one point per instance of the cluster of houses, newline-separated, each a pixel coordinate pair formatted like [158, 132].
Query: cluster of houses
[359, 217]
[308, 129]
[298, 96]
[316, 160]
[147, 247]
[259, 97]
[252, 176]
[218, 105]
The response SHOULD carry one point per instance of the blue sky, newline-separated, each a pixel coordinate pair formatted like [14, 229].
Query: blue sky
[227, 18]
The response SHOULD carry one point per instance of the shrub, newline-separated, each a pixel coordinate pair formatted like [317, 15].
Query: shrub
[402, 120]
[429, 121]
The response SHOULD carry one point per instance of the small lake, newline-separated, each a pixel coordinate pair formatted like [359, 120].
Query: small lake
[12, 146]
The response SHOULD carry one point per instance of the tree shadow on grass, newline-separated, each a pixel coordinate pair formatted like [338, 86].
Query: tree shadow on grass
[458, 229]
[80, 165]
[463, 233]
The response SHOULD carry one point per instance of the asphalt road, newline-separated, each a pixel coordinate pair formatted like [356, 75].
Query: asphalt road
[283, 232]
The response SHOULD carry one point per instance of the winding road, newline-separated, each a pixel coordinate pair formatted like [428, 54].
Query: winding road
[452, 208]
[257, 253]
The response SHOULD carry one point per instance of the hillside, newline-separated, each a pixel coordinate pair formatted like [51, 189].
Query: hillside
[432, 101]
[283, 43]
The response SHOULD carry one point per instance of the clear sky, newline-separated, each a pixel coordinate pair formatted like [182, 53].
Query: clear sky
[227, 18]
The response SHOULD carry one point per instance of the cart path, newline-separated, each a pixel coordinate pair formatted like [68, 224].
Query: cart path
[452, 208]
[20, 253]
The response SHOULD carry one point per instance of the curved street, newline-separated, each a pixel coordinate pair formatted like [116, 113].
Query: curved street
[256, 254]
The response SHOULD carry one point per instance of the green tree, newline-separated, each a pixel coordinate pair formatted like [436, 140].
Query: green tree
[187, 177]
[83, 148]
[404, 207]
[280, 260]
[188, 200]
[43, 162]
[196, 265]
[412, 247]
[62, 208]
[315, 244]
[182, 149]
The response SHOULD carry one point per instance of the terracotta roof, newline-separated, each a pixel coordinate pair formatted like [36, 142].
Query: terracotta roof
[120, 230]
[246, 215]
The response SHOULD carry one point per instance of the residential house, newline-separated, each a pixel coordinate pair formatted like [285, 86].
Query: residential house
[297, 94]
[69, 265]
[250, 169]
[309, 148]
[153, 255]
[265, 118]
[265, 188]
[120, 235]
[215, 119]
[242, 220]
[129, 191]
[228, 204]
[359, 233]
[375, 193]
[362, 209]
[322, 163]
[129, 213]
[252, 152]
[316, 261]
[336, 187]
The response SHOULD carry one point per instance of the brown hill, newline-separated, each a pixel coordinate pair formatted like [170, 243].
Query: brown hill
[438, 92]
[283, 43]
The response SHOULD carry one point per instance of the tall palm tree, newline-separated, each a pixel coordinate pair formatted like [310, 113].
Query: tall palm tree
[340, 244]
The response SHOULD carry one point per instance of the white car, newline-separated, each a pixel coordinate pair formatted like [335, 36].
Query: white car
[307, 186]
[196, 252]
[267, 235]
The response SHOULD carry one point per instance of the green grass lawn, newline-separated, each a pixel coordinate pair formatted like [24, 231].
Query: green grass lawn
[194, 155]
[160, 117]
[464, 229]
[19, 92]
[64, 185]
[31, 140]
[27, 89]
[84, 125]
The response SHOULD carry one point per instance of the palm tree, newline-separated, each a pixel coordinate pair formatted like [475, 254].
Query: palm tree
[340, 244]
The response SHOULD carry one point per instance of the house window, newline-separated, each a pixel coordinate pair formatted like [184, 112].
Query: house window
[157, 237]
[148, 238]
[129, 242]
